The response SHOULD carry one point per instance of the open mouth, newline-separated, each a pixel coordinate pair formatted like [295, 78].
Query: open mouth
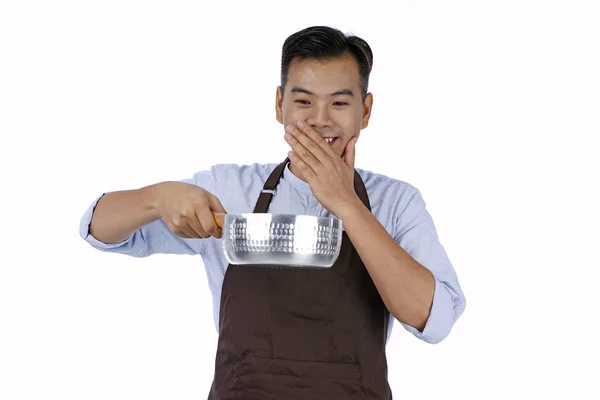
[331, 140]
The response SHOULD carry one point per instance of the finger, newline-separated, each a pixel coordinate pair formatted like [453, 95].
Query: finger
[310, 142]
[313, 149]
[302, 152]
[316, 138]
[350, 152]
[306, 170]
[180, 227]
[207, 220]
[183, 235]
[196, 226]
[218, 211]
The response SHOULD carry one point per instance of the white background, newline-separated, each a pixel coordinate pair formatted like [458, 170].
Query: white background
[490, 108]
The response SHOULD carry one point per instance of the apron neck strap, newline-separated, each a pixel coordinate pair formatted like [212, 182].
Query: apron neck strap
[361, 190]
[270, 188]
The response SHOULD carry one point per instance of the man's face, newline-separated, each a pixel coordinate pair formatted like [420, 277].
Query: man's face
[327, 96]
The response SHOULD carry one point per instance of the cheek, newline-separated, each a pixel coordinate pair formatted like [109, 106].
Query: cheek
[350, 124]
[292, 115]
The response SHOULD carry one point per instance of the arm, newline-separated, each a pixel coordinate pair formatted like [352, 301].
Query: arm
[118, 215]
[405, 286]
[411, 271]
[154, 219]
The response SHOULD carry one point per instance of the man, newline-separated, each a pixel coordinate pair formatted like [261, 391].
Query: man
[302, 333]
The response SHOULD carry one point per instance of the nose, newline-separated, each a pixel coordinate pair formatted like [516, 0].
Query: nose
[320, 117]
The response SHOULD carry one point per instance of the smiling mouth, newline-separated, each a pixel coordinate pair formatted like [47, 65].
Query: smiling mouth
[330, 140]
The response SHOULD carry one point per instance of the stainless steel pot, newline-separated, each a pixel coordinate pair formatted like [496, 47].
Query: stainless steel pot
[284, 240]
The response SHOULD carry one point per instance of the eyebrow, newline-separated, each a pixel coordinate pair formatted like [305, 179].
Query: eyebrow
[343, 92]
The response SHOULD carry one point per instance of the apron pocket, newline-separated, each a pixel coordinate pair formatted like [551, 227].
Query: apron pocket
[271, 378]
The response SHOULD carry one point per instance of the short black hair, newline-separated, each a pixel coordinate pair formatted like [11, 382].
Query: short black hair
[325, 43]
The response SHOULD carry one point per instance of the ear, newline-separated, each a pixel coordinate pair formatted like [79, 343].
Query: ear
[366, 111]
[279, 105]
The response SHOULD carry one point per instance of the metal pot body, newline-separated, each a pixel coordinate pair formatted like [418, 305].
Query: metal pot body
[285, 240]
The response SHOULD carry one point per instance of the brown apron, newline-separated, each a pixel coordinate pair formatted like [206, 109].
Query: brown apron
[301, 333]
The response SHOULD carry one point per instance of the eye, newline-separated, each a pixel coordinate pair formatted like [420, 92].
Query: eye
[303, 102]
[340, 103]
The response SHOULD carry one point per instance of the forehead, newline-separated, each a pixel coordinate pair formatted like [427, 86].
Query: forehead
[324, 77]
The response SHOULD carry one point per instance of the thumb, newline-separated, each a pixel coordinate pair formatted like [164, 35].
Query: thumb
[218, 211]
[350, 152]
[215, 204]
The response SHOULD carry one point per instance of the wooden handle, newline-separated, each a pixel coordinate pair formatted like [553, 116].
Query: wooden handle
[219, 219]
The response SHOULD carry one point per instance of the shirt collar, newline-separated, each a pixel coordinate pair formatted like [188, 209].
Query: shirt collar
[297, 183]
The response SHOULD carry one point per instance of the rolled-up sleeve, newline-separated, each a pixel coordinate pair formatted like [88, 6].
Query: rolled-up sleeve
[418, 237]
[153, 238]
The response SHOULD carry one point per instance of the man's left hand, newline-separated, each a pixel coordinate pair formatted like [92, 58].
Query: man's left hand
[331, 177]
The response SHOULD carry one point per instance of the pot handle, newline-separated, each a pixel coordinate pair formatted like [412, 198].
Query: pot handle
[219, 219]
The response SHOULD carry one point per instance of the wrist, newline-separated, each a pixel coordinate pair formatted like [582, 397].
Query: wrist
[349, 209]
[151, 195]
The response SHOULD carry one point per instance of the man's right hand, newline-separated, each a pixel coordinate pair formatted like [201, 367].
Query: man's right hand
[187, 210]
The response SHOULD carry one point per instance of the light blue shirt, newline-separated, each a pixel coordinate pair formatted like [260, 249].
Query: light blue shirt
[397, 205]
